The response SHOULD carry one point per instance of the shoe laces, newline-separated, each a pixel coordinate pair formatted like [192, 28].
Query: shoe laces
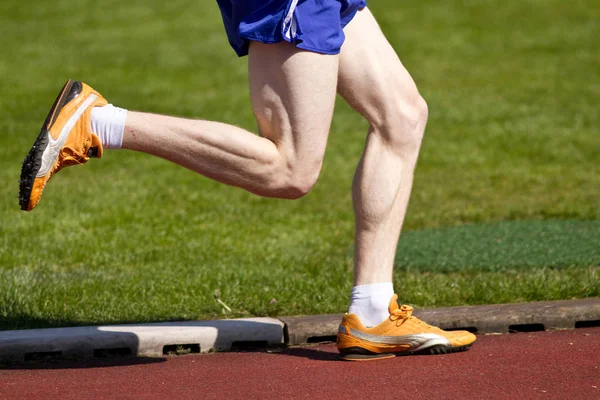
[70, 157]
[404, 313]
[401, 314]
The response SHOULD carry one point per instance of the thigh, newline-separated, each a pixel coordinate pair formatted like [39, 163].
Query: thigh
[372, 78]
[293, 95]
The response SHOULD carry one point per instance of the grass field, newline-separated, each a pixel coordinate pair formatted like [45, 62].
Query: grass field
[506, 202]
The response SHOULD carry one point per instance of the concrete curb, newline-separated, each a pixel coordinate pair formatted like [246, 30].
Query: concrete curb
[497, 318]
[158, 339]
[140, 339]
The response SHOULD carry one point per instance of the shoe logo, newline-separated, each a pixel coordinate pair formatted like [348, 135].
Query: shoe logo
[52, 151]
[417, 341]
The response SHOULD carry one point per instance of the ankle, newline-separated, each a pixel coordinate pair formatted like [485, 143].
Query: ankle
[108, 123]
[371, 302]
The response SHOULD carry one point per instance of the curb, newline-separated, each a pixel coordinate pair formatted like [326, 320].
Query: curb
[158, 339]
[497, 318]
[148, 340]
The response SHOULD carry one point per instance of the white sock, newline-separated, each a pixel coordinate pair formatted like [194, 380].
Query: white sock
[108, 123]
[371, 302]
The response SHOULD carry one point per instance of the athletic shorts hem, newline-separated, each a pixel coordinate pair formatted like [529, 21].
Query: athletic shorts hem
[320, 51]
[316, 26]
[299, 45]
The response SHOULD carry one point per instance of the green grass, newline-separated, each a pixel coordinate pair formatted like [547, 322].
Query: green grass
[513, 92]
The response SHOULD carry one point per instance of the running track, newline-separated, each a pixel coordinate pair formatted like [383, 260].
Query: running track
[541, 365]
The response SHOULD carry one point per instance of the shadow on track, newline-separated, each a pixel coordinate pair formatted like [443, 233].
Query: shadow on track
[311, 353]
[83, 363]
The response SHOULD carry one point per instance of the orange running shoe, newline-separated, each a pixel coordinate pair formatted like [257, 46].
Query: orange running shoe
[65, 140]
[400, 334]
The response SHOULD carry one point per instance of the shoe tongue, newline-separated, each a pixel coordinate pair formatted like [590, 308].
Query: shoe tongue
[394, 303]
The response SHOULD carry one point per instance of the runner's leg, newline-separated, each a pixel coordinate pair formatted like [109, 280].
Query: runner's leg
[375, 83]
[293, 94]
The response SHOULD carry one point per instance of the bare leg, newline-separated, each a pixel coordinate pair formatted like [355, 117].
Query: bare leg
[375, 83]
[293, 95]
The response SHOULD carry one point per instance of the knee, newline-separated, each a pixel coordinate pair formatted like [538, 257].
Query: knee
[298, 182]
[293, 180]
[402, 123]
[421, 110]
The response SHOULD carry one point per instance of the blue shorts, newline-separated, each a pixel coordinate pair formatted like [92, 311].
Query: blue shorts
[314, 25]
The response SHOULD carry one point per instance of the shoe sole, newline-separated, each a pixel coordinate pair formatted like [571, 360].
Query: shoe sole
[360, 354]
[33, 160]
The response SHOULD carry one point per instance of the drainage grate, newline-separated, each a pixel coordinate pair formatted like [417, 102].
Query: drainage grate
[243, 345]
[526, 328]
[587, 324]
[471, 329]
[181, 349]
[321, 339]
[114, 352]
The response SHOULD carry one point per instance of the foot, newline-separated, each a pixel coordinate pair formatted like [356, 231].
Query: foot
[65, 140]
[400, 334]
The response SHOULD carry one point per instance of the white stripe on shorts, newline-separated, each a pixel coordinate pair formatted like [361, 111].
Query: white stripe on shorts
[289, 23]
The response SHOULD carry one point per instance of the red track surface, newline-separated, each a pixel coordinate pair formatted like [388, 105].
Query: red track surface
[541, 365]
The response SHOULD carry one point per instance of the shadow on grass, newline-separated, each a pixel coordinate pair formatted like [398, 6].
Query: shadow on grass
[24, 321]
